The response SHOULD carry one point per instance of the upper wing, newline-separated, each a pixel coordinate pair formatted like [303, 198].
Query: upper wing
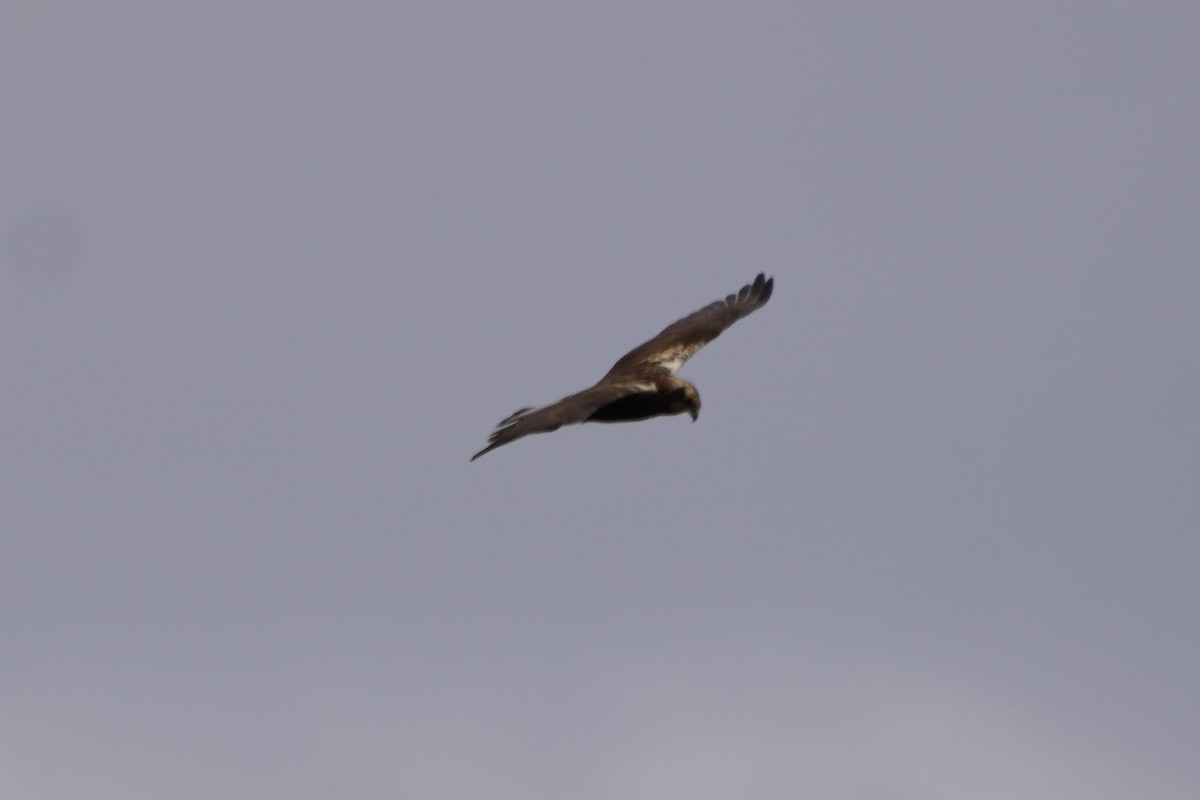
[680, 340]
[574, 408]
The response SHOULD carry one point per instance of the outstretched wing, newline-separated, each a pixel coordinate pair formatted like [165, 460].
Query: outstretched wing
[571, 409]
[680, 340]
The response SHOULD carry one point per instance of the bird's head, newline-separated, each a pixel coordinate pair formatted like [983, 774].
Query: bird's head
[688, 399]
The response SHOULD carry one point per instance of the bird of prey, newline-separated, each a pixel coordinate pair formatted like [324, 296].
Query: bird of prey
[642, 384]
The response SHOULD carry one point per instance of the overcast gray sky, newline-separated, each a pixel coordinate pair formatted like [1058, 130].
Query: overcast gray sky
[271, 271]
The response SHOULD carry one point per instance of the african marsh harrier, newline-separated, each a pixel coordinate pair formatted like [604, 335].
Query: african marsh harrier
[643, 383]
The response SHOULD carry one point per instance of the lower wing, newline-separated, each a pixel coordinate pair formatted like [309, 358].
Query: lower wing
[568, 411]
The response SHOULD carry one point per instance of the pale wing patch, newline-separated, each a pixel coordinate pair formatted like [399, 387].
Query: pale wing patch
[673, 358]
[672, 363]
[639, 387]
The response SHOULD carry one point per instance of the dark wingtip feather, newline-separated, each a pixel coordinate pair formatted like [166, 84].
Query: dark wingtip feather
[494, 440]
[765, 289]
[513, 416]
[758, 291]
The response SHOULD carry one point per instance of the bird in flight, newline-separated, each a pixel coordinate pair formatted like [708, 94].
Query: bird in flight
[643, 383]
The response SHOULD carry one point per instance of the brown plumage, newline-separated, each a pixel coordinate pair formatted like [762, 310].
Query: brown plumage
[643, 383]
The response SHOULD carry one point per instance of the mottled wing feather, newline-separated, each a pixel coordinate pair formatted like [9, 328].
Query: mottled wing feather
[568, 411]
[680, 340]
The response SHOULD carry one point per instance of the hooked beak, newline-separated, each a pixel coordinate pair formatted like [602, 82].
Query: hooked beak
[694, 413]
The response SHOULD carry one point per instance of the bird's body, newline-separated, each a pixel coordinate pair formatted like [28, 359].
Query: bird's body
[660, 401]
[643, 383]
